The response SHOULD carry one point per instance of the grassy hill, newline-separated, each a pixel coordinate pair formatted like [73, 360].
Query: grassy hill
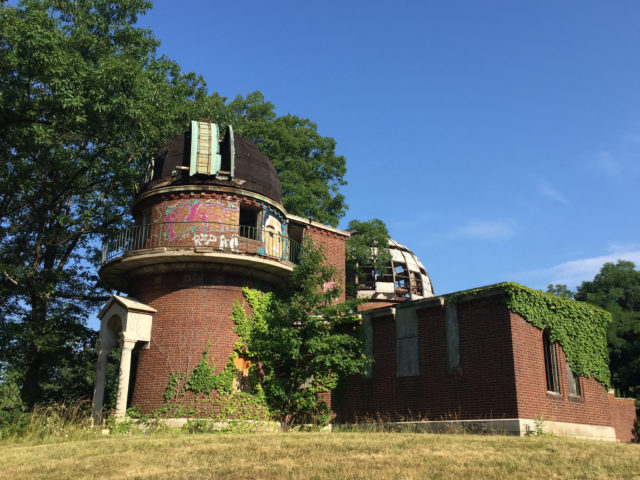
[318, 456]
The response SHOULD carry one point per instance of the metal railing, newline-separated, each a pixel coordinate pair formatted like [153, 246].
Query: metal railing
[240, 239]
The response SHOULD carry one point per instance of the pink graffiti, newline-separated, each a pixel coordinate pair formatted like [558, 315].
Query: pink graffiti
[201, 217]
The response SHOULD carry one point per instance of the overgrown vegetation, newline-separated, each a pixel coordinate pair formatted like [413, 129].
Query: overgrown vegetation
[616, 288]
[304, 341]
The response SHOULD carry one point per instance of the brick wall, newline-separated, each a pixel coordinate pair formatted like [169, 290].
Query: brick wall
[591, 408]
[483, 385]
[194, 308]
[623, 417]
[334, 248]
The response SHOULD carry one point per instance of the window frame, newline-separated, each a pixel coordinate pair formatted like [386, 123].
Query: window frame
[550, 364]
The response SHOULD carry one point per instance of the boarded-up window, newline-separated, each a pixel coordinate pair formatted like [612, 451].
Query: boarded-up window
[453, 336]
[407, 357]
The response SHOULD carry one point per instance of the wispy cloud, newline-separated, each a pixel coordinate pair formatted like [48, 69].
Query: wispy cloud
[621, 160]
[574, 272]
[547, 190]
[486, 230]
[606, 163]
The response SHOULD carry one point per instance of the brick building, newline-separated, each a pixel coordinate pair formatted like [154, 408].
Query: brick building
[209, 220]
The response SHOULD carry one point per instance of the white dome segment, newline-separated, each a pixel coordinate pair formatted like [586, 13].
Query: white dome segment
[405, 277]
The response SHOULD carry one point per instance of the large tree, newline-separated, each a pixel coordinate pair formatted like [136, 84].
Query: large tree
[84, 103]
[310, 171]
[616, 288]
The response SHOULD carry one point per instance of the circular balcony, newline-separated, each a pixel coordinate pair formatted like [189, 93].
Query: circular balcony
[171, 246]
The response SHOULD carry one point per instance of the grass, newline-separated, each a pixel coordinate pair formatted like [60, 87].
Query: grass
[319, 456]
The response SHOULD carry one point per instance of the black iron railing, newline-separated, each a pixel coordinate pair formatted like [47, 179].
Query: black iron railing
[240, 239]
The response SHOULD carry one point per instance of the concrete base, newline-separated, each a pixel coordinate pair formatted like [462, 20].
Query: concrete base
[505, 426]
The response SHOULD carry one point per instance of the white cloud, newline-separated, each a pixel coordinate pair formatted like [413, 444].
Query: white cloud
[574, 272]
[547, 190]
[607, 164]
[486, 230]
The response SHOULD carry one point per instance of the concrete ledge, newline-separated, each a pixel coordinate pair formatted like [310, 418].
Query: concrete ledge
[503, 426]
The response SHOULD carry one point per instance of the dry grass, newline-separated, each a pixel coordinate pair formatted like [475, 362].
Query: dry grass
[317, 455]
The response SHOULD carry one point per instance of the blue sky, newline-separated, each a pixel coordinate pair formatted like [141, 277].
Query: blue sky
[498, 140]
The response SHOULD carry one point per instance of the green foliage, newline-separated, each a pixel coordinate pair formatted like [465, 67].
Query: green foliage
[85, 101]
[173, 387]
[560, 290]
[538, 429]
[13, 415]
[367, 246]
[306, 342]
[616, 288]
[203, 378]
[578, 327]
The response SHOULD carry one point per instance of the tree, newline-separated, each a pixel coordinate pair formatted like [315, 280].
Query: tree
[368, 246]
[84, 103]
[306, 341]
[560, 290]
[310, 172]
[616, 288]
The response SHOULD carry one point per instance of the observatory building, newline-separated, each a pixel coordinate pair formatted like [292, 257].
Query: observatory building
[209, 220]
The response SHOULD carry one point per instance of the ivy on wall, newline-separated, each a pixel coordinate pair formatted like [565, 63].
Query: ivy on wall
[580, 328]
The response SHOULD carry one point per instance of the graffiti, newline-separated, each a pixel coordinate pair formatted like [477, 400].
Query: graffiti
[223, 242]
[197, 216]
[273, 241]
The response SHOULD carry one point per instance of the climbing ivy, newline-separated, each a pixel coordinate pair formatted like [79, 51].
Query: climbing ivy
[244, 325]
[580, 328]
[204, 379]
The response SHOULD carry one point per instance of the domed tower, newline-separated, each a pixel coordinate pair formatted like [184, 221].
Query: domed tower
[208, 221]
[404, 278]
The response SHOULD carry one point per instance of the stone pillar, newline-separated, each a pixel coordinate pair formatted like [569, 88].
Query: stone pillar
[98, 389]
[123, 380]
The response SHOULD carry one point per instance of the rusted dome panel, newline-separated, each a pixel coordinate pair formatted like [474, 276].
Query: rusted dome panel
[243, 165]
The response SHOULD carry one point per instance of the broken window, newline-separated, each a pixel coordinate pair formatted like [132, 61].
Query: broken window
[416, 284]
[401, 279]
[574, 382]
[550, 363]
[249, 222]
[385, 274]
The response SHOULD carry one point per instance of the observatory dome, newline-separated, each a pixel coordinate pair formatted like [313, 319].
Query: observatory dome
[234, 161]
[404, 278]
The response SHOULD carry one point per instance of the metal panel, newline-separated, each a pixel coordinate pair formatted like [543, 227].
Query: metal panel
[406, 322]
[407, 357]
[385, 287]
[193, 159]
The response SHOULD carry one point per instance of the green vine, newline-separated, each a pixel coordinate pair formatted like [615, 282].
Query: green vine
[580, 328]
[203, 378]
